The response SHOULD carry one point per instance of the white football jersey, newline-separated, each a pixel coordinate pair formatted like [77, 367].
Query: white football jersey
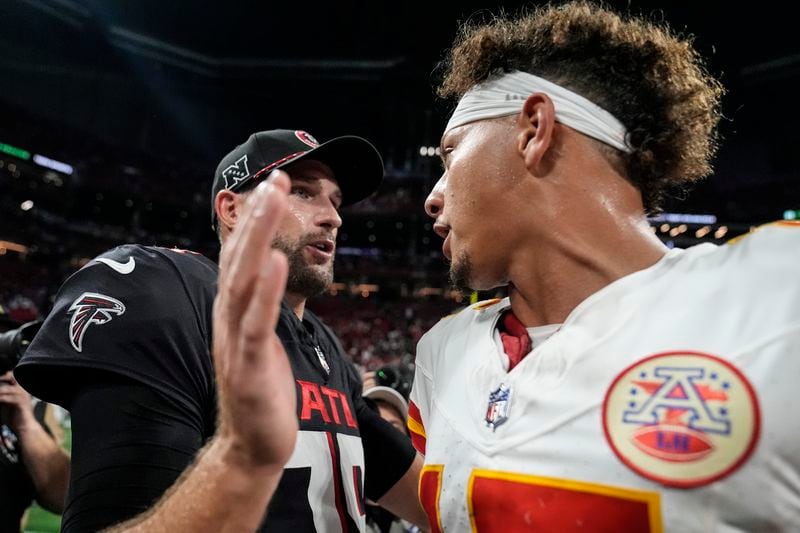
[667, 401]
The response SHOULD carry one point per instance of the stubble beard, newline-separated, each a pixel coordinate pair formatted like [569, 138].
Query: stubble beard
[461, 273]
[304, 279]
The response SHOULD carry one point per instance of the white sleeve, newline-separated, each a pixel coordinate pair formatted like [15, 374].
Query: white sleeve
[421, 394]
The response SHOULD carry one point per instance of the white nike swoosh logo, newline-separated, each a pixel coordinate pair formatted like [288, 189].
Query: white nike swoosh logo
[122, 268]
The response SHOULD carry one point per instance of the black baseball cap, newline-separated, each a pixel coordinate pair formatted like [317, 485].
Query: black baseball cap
[355, 162]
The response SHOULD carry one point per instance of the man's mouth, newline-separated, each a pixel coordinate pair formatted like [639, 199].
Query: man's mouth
[443, 231]
[321, 248]
[325, 246]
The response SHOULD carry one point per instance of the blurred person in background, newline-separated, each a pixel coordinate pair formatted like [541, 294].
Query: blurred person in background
[390, 404]
[393, 408]
[33, 466]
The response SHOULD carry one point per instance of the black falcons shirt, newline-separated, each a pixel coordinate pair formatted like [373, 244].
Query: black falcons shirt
[144, 313]
[141, 312]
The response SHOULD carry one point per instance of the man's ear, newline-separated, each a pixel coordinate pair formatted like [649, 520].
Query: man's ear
[536, 122]
[227, 206]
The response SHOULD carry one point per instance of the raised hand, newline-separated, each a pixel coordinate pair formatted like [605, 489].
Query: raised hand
[255, 382]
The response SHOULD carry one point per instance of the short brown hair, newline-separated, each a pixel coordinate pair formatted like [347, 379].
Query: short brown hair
[649, 78]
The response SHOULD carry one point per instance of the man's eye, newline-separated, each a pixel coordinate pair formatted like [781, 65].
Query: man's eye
[299, 191]
[445, 156]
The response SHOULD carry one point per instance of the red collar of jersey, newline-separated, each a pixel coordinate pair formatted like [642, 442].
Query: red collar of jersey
[516, 342]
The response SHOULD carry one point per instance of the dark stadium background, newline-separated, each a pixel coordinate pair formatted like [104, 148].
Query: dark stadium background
[141, 99]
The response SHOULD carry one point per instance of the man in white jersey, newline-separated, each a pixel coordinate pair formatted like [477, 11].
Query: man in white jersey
[622, 386]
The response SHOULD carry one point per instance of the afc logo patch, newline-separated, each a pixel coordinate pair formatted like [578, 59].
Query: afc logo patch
[683, 419]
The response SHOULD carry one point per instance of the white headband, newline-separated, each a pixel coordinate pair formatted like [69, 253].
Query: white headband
[505, 96]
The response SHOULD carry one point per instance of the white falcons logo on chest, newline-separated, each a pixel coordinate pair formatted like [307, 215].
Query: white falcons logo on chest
[91, 308]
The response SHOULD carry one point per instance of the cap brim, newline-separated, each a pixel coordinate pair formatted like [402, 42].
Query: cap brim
[390, 396]
[356, 165]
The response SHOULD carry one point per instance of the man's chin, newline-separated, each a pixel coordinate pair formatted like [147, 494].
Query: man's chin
[465, 278]
[307, 284]
[461, 274]
[308, 279]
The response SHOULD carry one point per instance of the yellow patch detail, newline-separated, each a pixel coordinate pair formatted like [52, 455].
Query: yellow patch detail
[416, 427]
[480, 306]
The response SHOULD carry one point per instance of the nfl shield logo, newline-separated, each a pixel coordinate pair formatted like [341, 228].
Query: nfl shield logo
[499, 404]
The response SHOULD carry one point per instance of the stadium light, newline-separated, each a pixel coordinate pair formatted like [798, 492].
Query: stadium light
[683, 218]
[16, 152]
[53, 164]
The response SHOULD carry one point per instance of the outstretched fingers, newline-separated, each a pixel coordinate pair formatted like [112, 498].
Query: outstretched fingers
[255, 383]
[248, 252]
[261, 316]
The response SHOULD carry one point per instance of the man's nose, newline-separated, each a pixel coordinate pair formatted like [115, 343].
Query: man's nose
[434, 203]
[328, 217]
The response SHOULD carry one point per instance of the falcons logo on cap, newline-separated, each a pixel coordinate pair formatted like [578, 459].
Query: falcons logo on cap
[91, 308]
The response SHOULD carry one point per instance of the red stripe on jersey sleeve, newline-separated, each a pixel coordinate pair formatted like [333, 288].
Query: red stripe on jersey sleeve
[417, 429]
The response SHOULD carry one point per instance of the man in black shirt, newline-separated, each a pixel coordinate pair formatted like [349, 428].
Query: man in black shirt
[32, 464]
[127, 348]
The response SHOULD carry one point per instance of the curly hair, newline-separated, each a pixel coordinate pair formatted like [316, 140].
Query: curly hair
[649, 78]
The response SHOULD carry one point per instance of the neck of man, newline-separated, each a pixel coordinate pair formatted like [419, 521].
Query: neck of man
[297, 303]
[602, 238]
